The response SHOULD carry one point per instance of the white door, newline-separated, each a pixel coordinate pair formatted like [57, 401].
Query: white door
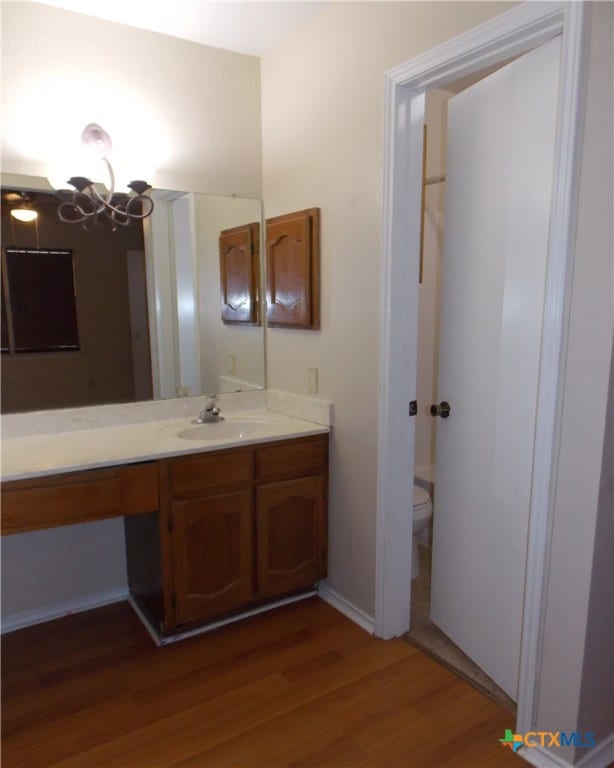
[499, 164]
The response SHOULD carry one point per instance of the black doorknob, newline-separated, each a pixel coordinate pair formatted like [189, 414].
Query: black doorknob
[443, 409]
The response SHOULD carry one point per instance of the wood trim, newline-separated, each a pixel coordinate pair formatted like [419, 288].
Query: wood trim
[166, 546]
[139, 488]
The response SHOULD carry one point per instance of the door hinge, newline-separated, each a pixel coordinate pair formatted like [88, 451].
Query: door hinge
[413, 407]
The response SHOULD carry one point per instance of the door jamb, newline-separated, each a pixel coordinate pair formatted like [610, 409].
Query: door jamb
[512, 33]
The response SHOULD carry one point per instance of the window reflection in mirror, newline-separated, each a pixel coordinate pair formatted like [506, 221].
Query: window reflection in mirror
[148, 307]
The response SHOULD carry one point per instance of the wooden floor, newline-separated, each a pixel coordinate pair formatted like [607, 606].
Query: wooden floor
[301, 686]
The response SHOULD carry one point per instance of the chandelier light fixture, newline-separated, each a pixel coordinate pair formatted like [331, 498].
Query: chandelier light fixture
[87, 206]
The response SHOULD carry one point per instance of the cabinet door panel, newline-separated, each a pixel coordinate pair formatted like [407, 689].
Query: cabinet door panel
[293, 271]
[239, 273]
[212, 554]
[290, 534]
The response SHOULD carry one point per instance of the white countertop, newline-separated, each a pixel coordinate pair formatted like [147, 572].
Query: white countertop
[103, 446]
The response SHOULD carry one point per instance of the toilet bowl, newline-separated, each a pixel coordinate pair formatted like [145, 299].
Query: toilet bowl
[422, 513]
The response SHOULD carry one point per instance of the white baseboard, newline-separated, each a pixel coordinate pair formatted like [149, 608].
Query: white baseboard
[599, 757]
[346, 608]
[144, 621]
[36, 616]
[167, 639]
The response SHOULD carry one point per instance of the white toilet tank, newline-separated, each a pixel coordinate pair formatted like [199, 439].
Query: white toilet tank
[422, 513]
[422, 505]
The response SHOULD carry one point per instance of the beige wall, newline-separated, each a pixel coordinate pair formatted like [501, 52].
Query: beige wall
[584, 411]
[181, 115]
[322, 107]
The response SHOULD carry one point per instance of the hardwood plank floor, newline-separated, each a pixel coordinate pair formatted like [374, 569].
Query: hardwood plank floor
[301, 686]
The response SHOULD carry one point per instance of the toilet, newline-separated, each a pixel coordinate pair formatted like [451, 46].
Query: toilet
[422, 513]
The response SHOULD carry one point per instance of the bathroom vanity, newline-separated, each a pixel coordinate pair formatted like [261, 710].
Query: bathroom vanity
[214, 527]
[234, 528]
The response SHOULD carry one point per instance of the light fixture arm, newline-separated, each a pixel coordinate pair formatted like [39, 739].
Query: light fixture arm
[88, 206]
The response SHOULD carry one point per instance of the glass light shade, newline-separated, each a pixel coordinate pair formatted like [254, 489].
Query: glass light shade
[24, 214]
[96, 140]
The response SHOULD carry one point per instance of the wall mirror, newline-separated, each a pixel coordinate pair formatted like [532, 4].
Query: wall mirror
[146, 321]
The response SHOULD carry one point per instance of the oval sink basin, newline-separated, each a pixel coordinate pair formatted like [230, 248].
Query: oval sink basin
[226, 430]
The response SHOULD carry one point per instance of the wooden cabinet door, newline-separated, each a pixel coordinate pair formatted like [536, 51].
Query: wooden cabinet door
[212, 554]
[293, 269]
[240, 274]
[290, 534]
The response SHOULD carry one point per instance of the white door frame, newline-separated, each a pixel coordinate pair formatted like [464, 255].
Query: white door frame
[512, 33]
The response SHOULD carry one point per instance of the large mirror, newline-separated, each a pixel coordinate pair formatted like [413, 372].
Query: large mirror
[96, 317]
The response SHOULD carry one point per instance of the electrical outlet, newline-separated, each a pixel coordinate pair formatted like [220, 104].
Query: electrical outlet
[312, 380]
[232, 365]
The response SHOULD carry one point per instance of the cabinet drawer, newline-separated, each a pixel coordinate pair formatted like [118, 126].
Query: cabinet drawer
[307, 456]
[79, 497]
[206, 473]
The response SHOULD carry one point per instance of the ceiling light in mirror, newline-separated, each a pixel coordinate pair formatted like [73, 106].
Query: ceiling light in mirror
[26, 215]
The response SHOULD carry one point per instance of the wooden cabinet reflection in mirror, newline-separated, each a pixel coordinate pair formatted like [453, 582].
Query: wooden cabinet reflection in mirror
[240, 274]
[293, 269]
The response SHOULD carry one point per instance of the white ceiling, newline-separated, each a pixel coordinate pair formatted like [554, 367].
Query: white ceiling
[251, 27]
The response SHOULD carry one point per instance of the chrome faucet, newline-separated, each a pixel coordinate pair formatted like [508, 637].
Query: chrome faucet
[210, 413]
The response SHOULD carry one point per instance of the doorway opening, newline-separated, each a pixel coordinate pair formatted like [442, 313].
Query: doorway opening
[512, 34]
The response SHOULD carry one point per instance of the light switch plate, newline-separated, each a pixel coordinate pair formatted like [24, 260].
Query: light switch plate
[312, 380]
